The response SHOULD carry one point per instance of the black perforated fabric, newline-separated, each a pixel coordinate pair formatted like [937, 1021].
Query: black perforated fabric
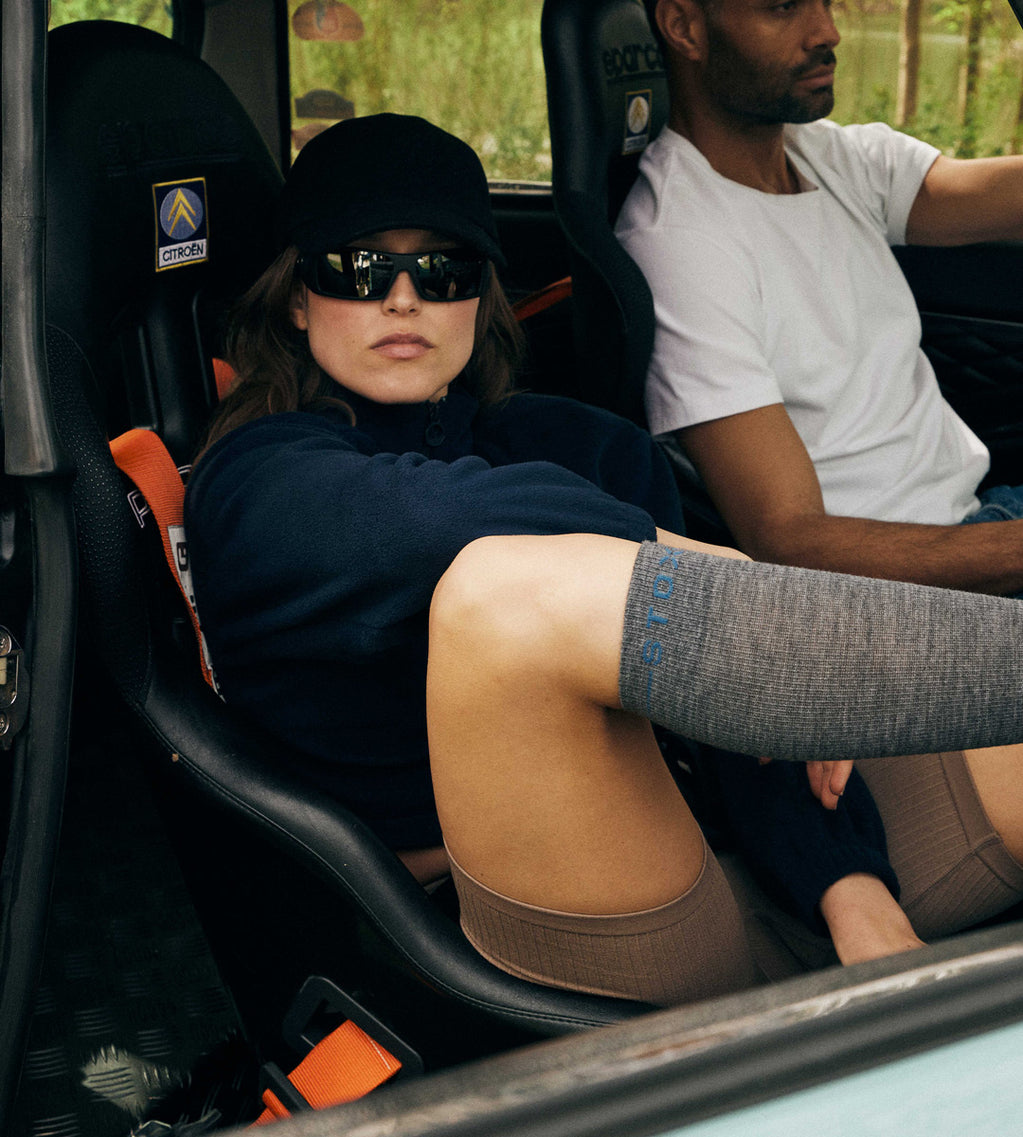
[129, 341]
[979, 364]
[111, 586]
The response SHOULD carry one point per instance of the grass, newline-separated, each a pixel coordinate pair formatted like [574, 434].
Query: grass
[154, 14]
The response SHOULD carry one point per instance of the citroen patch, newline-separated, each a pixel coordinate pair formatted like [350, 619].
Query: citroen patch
[182, 223]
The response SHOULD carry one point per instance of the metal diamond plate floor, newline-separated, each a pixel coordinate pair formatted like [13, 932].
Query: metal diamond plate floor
[130, 996]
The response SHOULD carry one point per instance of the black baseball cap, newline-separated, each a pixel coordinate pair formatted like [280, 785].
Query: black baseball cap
[385, 171]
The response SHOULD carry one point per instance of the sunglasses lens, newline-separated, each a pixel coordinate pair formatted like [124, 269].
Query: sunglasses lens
[359, 274]
[449, 276]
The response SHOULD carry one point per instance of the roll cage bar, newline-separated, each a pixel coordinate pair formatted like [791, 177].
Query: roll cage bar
[40, 473]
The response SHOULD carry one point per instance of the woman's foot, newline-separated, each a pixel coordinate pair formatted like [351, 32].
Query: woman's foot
[865, 920]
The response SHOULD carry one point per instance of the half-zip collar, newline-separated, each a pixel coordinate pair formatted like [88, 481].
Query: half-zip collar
[442, 429]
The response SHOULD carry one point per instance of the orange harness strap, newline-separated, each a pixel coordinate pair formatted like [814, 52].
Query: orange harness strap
[344, 1066]
[223, 376]
[141, 456]
[348, 1063]
[542, 299]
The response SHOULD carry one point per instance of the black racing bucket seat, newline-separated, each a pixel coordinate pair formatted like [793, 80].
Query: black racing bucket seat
[159, 201]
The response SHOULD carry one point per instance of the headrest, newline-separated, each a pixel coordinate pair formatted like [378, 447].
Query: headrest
[607, 94]
[159, 190]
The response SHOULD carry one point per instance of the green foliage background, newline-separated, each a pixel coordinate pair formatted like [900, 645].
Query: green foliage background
[472, 66]
[155, 14]
[868, 69]
[475, 67]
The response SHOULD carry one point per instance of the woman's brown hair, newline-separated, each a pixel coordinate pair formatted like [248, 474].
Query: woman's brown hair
[275, 371]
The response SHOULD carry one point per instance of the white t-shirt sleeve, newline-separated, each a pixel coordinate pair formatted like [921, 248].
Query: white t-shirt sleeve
[708, 359]
[882, 167]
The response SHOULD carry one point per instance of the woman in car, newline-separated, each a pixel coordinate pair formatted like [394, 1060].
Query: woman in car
[419, 584]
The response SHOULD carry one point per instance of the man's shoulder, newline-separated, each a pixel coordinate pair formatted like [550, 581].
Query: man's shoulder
[673, 174]
[825, 143]
[870, 168]
[673, 156]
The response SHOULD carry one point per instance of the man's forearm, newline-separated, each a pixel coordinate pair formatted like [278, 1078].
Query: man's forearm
[985, 557]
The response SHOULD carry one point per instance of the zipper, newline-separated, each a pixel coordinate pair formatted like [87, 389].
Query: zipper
[435, 432]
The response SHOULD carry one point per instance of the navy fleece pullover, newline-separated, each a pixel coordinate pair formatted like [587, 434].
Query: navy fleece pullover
[316, 546]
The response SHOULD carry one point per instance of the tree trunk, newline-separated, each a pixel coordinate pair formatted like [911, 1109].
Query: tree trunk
[969, 77]
[909, 63]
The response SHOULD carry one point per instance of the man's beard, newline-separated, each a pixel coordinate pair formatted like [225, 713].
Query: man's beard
[749, 90]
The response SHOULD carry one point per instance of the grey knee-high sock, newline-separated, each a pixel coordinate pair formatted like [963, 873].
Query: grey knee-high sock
[793, 663]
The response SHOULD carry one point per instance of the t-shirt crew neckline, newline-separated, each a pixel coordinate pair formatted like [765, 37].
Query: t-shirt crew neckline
[806, 186]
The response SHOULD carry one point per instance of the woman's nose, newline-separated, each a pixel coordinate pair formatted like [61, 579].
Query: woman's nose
[402, 297]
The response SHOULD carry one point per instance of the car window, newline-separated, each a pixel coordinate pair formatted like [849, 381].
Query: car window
[948, 71]
[154, 14]
[472, 66]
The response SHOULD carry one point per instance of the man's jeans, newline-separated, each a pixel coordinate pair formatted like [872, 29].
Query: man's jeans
[999, 503]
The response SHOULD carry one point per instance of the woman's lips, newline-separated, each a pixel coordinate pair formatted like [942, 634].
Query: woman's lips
[402, 345]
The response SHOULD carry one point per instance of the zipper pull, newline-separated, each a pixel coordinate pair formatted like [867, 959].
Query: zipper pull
[435, 433]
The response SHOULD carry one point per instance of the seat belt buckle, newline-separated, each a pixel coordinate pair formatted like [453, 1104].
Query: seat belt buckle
[348, 1053]
[274, 1079]
[321, 1006]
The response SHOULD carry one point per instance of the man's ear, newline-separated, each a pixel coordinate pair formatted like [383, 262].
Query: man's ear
[684, 27]
[298, 310]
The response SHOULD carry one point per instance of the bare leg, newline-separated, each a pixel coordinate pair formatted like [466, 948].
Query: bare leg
[997, 773]
[943, 842]
[545, 791]
[577, 861]
[865, 920]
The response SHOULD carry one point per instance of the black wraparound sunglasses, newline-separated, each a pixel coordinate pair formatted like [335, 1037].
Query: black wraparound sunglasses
[363, 274]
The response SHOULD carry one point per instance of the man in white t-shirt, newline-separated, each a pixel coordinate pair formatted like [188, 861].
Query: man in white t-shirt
[787, 359]
[787, 362]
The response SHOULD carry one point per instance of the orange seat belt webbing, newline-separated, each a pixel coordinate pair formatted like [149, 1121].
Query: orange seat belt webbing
[344, 1066]
[543, 299]
[223, 376]
[141, 455]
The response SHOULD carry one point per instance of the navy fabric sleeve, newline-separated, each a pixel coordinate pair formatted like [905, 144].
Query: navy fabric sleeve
[330, 550]
[793, 845]
[602, 447]
[316, 547]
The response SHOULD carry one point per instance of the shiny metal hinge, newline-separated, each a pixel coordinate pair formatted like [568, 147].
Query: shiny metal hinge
[13, 688]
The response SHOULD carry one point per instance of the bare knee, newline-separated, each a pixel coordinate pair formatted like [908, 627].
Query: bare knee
[491, 600]
[539, 606]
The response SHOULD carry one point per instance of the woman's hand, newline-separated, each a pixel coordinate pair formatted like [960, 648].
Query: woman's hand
[827, 780]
